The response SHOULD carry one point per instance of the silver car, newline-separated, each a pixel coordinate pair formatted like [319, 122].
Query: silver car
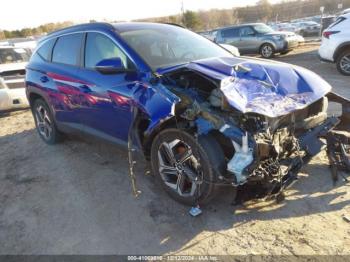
[257, 38]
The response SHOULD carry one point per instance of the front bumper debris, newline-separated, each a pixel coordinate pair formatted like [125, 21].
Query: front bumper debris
[338, 152]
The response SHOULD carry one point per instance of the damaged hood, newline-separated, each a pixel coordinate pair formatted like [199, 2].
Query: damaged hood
[258, 86]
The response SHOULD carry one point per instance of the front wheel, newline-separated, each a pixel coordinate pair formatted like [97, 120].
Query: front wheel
[187, 168]
[267, 51]
[343, 63]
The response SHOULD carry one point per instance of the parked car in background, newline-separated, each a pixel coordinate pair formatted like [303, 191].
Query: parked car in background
[257, 38]
[204, 118]
[345, 11]
[232, 49]
[12, 72]
[307, 28]
[335, 45]
[287, 27]
[300, 39]
[327, 21]
[211, 35]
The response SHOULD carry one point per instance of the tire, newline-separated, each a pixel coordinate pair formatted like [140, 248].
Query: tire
[343, 63]
[207, 154]
[267, 51]
[44, 122]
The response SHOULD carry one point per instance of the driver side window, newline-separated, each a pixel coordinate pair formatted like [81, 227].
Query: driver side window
[99, 47]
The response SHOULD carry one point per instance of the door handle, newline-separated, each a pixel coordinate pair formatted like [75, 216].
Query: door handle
[44, 79]
[85, 89]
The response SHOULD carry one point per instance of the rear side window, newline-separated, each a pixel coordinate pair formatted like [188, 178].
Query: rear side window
[338, 21]
[46, 49]
[67, 49]
[232, 32]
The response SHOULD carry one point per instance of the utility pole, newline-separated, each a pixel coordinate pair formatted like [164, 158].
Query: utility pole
[182, 12]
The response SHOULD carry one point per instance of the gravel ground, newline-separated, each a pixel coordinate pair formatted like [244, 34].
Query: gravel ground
[75, 198]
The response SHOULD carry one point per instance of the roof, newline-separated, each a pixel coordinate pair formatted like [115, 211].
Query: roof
[119, 27]
[78, 28]
[233, 26]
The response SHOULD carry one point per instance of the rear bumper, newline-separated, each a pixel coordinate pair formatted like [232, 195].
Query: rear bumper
[327, 50]
[324, 59]
[13, 99]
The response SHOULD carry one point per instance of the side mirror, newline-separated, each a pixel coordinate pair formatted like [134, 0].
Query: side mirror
[110, 66]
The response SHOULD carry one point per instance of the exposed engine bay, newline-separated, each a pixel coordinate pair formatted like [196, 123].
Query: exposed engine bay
[259, 150]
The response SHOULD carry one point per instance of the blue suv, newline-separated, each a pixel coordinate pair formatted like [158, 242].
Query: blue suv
[203, 117]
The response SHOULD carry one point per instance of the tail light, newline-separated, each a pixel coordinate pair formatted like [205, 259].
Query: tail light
[327, 34]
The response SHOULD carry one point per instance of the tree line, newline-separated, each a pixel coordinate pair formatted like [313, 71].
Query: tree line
[263, 11]
[40, 30]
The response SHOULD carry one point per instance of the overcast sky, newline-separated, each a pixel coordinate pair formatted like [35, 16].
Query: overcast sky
[31, 13]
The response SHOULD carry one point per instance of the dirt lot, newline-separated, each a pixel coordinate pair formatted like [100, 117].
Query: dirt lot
[75, 198]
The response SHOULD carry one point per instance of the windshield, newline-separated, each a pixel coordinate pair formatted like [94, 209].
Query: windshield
[13, 55]
[262, 29]
[164, 45]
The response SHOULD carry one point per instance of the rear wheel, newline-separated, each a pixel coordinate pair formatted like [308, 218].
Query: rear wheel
[44, 122]
[267, 51]
[343, 63]
[187, 168]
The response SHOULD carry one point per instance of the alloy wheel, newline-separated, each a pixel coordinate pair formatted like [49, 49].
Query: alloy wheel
[267, 51]
[345, 64]
[44, 123]
[179, 168]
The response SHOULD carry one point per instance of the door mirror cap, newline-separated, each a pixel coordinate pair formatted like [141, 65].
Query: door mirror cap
[111, 66]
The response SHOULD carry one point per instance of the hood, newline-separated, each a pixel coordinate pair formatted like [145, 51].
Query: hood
[258, 86]
[12, 67]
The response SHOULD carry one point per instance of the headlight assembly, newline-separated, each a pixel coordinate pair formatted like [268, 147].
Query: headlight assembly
[278, 37]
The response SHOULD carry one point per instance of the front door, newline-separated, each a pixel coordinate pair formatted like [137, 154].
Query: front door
[248, 40]
[106, 111]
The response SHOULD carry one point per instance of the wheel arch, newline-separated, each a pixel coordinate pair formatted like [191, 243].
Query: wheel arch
[32, 96]
[146, 133]
[340, 49]
[267, 41]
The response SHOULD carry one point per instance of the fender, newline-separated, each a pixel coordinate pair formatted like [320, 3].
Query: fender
[339, 49]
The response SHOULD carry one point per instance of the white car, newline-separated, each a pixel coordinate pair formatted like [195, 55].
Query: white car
[335, 47]
[12, 72]
[232, 49]
[286, 27]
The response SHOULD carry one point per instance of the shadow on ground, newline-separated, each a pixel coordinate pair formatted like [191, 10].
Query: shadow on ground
[76, 198]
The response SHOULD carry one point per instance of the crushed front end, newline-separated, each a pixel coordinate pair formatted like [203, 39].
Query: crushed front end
[268, 127]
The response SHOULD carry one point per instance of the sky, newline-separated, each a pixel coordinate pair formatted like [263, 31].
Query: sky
[31, 13]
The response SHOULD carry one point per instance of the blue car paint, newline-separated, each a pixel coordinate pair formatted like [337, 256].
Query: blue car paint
[269, 88]
[92, 101]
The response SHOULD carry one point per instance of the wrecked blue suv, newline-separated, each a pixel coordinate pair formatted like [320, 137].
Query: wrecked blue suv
[202, 117]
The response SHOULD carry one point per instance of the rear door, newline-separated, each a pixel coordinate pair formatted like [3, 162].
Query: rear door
[63, 72]
[230, 36]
